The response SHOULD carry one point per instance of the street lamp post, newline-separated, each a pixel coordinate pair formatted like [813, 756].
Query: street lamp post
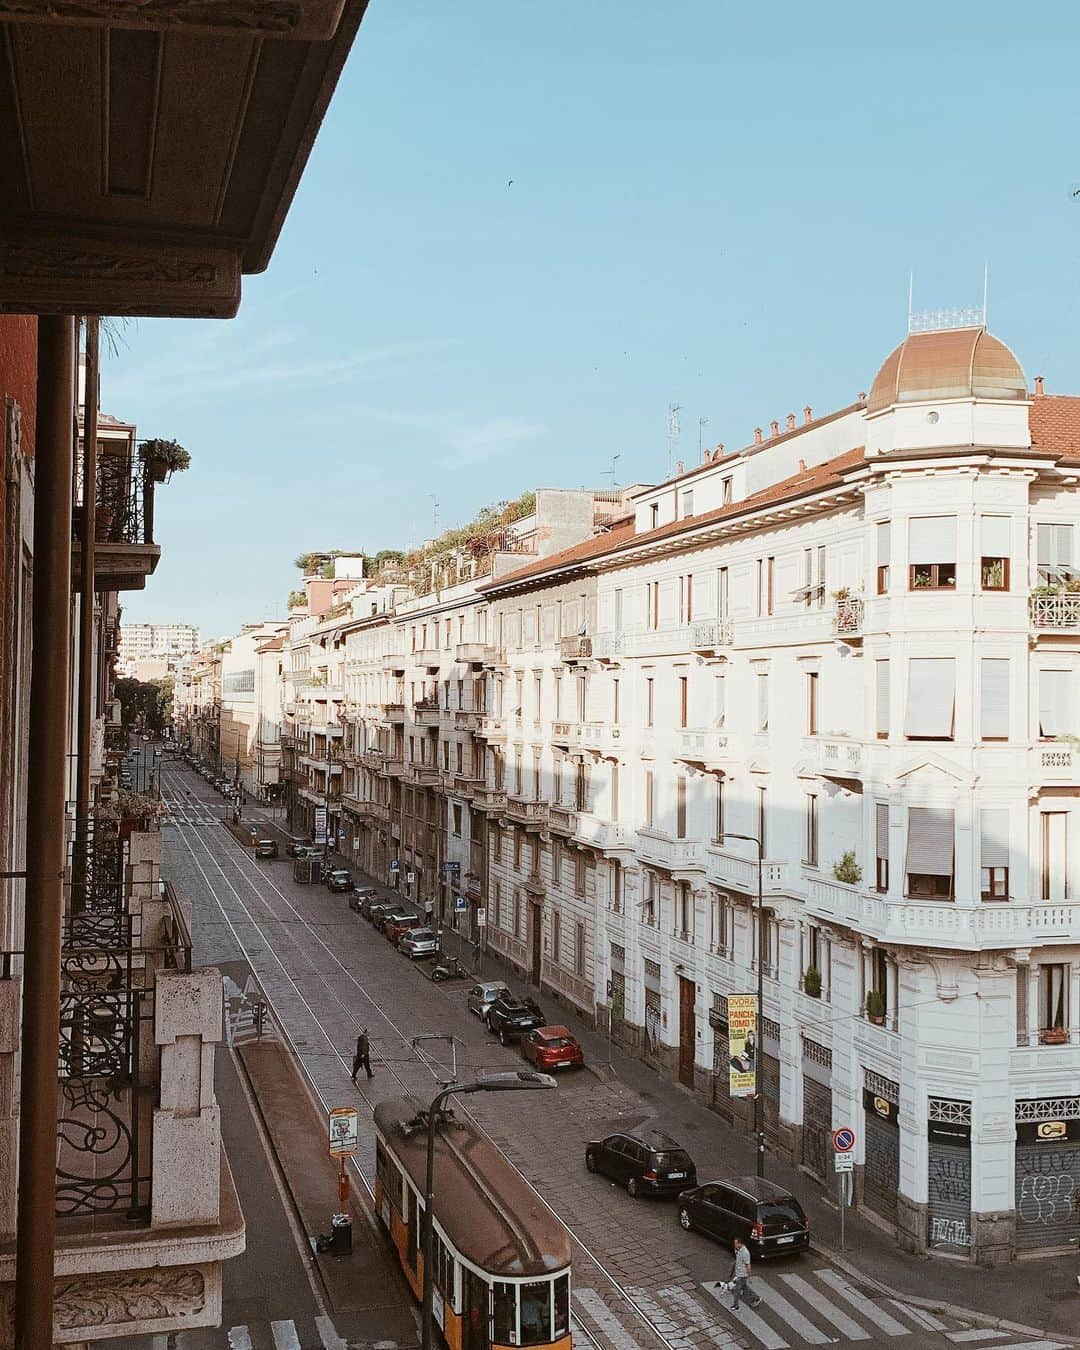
[521, 1080]
[759, 1038]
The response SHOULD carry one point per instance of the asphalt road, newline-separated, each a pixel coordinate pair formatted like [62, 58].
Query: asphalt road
[639, 1281]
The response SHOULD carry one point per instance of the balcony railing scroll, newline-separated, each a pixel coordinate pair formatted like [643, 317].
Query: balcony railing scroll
[1058, 611]
[124, 498]
[849, 617]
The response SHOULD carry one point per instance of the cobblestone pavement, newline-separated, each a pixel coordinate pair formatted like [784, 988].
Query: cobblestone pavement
[639, 1280]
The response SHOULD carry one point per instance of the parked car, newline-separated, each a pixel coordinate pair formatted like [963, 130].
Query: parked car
[482, 996]
[377, 908]
[510, 1017]
[359, 895]
[383, 914]
[295, 844]
[419, 942]
[767, 1217]
[338, 879]
[552, 1048]
[397, 925]
[266, 848]
[646, 1162]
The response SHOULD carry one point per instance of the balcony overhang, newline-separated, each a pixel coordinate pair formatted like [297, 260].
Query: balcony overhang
[120, 193]
[117, 567]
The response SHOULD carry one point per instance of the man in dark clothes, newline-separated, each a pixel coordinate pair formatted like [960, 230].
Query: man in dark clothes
[362, 1058]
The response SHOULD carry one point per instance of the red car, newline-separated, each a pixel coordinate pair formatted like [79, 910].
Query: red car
[397, 927]
[552, 1048]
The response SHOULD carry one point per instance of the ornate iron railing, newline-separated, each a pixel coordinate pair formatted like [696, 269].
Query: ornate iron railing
[124, 498]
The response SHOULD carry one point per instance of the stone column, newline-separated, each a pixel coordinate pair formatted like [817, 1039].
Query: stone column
[993, 1128]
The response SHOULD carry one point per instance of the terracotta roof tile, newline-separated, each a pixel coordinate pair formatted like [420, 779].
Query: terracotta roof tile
[1055, 425]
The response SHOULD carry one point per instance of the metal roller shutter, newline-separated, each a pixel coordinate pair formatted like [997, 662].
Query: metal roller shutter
[721, 1057]
[1047, 1187]
[817, 1127]
[881, 1170]
[770, 1093]
[949, 1190]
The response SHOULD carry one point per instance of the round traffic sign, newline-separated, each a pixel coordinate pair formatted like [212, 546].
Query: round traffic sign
[843, 1139]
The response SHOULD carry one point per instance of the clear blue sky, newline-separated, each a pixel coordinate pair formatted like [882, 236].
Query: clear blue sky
[712, 203]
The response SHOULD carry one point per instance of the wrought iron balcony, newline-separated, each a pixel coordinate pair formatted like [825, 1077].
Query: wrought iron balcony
[1055, 613]
[125, 553]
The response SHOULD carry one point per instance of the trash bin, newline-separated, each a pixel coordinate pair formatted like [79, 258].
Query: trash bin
[341, 1234]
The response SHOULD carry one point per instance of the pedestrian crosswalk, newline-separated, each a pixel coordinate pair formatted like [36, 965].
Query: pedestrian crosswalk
[300, 1333]
[813, 1307]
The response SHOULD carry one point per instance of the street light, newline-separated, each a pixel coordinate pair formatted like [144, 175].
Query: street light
[759, 1046]
[519, 1080]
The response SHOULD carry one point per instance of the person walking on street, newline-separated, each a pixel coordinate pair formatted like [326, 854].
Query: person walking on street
[741, 1277]
[362, 1057]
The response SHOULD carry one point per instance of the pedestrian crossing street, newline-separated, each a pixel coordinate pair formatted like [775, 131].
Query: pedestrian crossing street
[794, 1312]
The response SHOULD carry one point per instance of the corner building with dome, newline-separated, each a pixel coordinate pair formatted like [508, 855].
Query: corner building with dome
[857, 638]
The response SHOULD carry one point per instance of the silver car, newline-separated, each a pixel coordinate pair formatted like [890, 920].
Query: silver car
[482, 996]
[419, 942]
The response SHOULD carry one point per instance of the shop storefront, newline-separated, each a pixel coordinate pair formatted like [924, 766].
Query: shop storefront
[1047, 1173]
[948, 1130]
[816, 1148]
[770, 1076]
[721, 1089]
[881, 1168]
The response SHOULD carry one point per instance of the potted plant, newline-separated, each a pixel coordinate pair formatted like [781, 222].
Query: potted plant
[847, 869]
[844, 593]
[812, 982]
[1054, 1036]
[103, 519]
[875, 1007]
[163, 458]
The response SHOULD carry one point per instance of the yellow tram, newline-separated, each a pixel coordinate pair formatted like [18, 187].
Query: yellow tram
[502, 1260]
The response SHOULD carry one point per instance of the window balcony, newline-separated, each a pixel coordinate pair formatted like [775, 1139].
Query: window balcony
[604, 835]
[492, 729]
[741, 873]
[835, 757]
[472, 653]
[607, 647]
[1058, 613]
[489, 798]
[468, 719]
[657, 849]
[422, 775]
[576, 648]
[711, 635]
[710, 748]
[1055, 764]
[394, 663]
[124, 553]
[393, 712]
[426, 712]
[528, 813]
[431, 658]
[848, 618]
[565, 819]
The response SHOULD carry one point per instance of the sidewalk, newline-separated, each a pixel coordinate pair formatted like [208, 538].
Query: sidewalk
[1029, 1296]
[366, 1282]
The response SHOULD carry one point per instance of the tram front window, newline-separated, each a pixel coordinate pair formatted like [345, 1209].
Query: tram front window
[536, 1313]
[504, 1310]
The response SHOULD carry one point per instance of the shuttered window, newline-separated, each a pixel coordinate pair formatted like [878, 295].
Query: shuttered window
[1055, 870]
[720, 699]
[994, 699]
[881, 699]
[932, 552]
[994, 853]
[883, 539]
[930, 852]
[1054, 547]
[1055, 696]
[763, 703]
[881, 845]
[994, 550]
[931, 698]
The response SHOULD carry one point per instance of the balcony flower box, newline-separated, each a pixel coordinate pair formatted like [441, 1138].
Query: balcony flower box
[163, 458]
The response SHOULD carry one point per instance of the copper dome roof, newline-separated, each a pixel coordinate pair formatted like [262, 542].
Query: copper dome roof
[949, 363]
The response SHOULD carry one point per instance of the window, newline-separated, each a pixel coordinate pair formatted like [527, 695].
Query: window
[558, 696]
[883, 539]
[538, 785]
[686, 599]
[1055, 552]
[811, 855]
[994, 699]
[881, 699]
[648, 905]
[994, 553]
[1055, 877]
[581, 788]
[556, 862]
[722, 597]
[931, 698]
[496, 896]
[931, 553]
[615, 702]
[649, 798]
[556, 936]
[579, 949]
[649, 703]
[496, 843]
[879, 977]
[616, 608]
[1055, 703]
[457, 820]
[682, 690]
[653, 590]
[1053, 998]
[770, 575]
[762, 820]
[579, 873]
[680, 808]
[811, 703]
[930, 853]
[654, 515]
[582, 698]
[613, 802]
[721, 923]
[719, 699]
[994, 853]
[726, 489]
[684, 899]
[881, 847]
[538, 694]
[762, 702]
[517, 914]
[617, 887]
[517, 849]
[688, 503]
[718, 817]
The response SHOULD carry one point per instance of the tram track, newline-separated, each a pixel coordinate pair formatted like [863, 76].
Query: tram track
[171, 796]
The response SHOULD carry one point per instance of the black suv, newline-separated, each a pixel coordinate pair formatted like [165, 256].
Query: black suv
[646, 1162]
[510, 1017]
[767, 1217]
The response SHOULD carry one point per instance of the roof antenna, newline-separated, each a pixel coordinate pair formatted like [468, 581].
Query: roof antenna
[672, 435]
[614, 461]
[910, 296]
[986, 291]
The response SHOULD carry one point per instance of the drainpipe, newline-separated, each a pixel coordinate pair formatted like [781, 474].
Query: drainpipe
[45, 796]
[80, 854]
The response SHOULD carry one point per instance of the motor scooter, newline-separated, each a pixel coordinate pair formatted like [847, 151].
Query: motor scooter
[449, 968]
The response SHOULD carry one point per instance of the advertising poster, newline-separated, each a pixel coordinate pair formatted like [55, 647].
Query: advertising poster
[742, 1064]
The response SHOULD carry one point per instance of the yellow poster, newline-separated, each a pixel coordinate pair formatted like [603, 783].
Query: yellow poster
[742, 1046]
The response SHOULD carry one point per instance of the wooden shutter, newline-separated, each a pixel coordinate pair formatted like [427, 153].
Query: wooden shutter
[930, 841]
[932, 539]
[881, 830]
[994, 837]
[883, 536]
[994, 698]
[881, 698]
[1055, 689]
[931, 697]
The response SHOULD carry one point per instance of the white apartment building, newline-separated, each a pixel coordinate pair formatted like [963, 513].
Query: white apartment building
[856, 640]
[242, 729]
[168, 642]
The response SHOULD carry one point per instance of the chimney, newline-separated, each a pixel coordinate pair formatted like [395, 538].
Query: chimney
[758, 436]
[802, 465]
[808, 414]
[1038, 386]
[774, 427]
[718, 453]
[791, 421]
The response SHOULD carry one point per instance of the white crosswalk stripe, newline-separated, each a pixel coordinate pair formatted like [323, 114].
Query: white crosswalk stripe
[239, 1338]
[703, 1319]
[285, 1337]
[880, 1318]
[974, 1335]
[825, 1307]
[605, 1321]
[749, 1321]
[801, 1325]
[919, 1315]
